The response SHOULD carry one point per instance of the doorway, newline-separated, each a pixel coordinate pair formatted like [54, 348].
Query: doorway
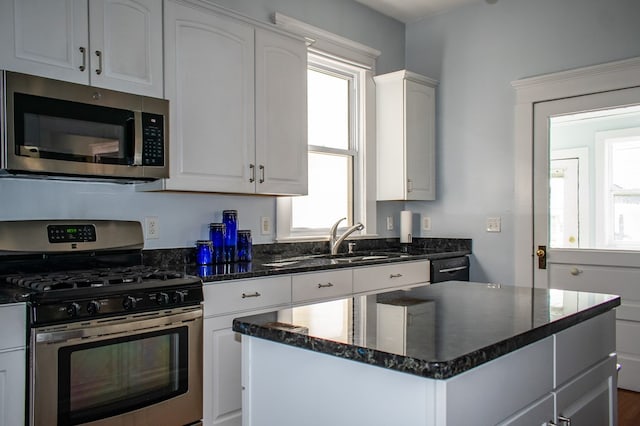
[582, 210]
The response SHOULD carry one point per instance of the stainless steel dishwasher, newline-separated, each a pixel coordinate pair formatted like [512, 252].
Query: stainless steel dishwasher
[450, 269]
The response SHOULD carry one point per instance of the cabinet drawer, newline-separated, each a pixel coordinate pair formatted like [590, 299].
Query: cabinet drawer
[392, 275]
[245, 295]
[321, 285]
[584, 345]
[13, 318]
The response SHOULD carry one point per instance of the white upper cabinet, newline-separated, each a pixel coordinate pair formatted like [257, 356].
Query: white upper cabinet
[281, 114]
[115, 44]
[405, 109]
[210, 86]
[238, 105]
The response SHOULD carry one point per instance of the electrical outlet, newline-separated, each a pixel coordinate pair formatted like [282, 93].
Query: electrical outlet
[493, 224]
[152, 227]
[389, 223]
[426, 223]
[265, 225]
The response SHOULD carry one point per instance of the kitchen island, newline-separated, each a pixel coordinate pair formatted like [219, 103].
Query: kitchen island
[452, 353]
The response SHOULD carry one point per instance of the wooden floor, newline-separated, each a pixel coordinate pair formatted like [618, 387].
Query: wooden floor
[628, 408]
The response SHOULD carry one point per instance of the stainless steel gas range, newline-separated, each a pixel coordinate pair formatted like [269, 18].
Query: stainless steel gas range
[111, 342]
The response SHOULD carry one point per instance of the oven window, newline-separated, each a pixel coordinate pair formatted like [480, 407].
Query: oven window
[64, 130]
[110, 377]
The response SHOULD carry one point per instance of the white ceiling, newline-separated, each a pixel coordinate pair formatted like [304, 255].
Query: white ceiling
[414, 10]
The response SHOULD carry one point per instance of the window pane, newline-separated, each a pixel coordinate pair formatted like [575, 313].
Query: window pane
[328, 198]
[626, 218]
[624, 173]
[328, 110]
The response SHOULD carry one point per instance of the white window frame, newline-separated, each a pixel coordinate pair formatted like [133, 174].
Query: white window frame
[326, 47]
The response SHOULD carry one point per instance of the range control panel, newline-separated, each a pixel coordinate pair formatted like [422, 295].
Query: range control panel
[71, 233]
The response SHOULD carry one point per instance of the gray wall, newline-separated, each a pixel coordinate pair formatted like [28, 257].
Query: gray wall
[183, 216]
[476, 51]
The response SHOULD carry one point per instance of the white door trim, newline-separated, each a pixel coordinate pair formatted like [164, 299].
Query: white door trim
[564, 84]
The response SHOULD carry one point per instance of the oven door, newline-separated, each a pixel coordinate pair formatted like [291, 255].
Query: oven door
[140, 370]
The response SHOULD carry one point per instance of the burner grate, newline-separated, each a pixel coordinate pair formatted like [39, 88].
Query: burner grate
[83, 279]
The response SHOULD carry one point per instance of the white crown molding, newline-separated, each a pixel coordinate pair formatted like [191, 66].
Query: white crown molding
[324, 42]
[598, 78]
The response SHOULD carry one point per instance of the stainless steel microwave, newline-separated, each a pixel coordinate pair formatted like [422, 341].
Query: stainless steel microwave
[56, 128]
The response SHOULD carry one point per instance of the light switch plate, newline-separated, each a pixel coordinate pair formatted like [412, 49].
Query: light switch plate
[389, 223]
[426, 223]
[493, 224]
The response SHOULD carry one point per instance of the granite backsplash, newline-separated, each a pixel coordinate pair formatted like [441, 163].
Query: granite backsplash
[186, 256]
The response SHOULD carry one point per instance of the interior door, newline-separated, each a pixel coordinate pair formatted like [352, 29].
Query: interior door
[586, 205]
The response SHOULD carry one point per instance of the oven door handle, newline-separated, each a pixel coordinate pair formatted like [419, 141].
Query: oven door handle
[120, 328]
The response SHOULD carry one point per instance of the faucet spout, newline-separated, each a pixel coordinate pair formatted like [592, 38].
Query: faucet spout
[335, 241]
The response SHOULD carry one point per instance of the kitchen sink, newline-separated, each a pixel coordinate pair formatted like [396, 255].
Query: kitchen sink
[331, 259]
[351, 259]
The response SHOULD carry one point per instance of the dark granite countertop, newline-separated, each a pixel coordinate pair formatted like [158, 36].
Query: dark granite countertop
[277, 265]
[455, 326]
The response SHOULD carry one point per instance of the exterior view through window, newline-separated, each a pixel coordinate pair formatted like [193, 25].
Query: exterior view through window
[331, 94]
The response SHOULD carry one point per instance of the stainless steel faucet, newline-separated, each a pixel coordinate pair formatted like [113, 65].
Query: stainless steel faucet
[335, 241]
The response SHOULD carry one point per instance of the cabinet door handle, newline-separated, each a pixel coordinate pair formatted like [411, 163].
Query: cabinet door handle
[84, 59]
[99, 55]
[261, 174]
[252, 173]
[245, 295]
[395, 275]
[320, 285]
[566, 421]
[409, 185]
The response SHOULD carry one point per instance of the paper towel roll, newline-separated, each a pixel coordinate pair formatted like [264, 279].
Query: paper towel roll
[406, 226]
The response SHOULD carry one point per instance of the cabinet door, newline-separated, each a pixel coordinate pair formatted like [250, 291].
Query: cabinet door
[126, 45]
[281, 114]
[222, 373]
[12, 387]
[209, 81]
[591, 398]
[45, 38]
[539, 414]
[420, 141]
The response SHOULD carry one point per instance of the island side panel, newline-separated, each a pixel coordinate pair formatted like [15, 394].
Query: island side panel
[288, 386]
[496, 390]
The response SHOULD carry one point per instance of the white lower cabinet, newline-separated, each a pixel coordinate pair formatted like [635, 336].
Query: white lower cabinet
[223, 302]
[226, 300]
[13, 364]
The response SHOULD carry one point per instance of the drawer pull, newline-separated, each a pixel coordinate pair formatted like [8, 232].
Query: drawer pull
[245, 295]
[564, 420]
[575, 271]
[395, 275]
[325, 285]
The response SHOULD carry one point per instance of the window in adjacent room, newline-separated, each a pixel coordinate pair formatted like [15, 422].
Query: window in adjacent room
[619, 197]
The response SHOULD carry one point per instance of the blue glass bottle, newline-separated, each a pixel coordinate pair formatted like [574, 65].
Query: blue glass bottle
[217, 234]
[204, 252]
[245, 246]
[230, 219]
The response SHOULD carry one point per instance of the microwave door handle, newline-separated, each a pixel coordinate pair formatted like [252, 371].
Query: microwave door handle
[135, 133]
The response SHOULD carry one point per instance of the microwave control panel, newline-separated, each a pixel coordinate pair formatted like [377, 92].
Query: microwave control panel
[152, 139]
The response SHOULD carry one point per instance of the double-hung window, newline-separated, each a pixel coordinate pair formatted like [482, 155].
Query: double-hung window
[341, 140]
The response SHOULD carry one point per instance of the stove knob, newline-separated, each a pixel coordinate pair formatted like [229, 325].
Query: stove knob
[73, 309]
[178, 297]
[129, 303]
[93, 307]
[162, 298]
